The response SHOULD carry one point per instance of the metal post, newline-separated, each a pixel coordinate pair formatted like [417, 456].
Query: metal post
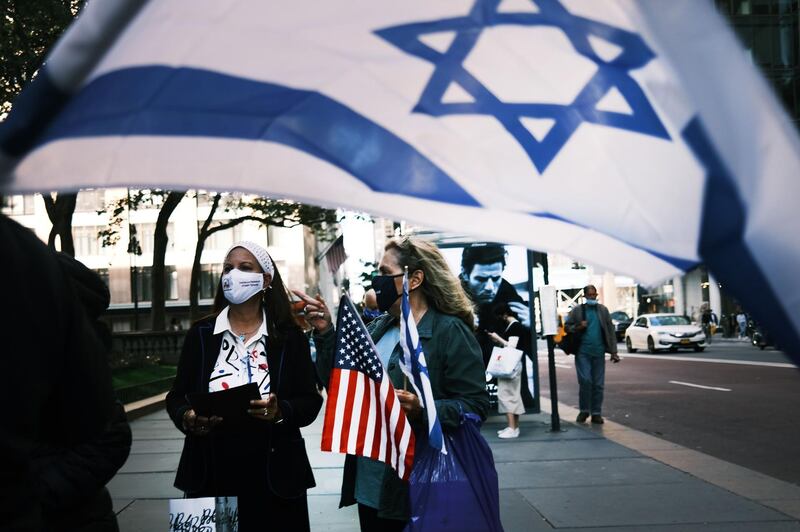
[537, 406]
[555, 420]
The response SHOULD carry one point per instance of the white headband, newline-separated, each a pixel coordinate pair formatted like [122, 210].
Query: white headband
[259, 253]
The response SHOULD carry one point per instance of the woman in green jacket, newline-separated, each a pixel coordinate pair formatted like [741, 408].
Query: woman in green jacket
[445, 321]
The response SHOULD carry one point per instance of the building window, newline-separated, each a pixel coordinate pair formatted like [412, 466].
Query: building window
[19, 205]
[91, 200]
[86, 240]
[172, 283]
[209, 279]
[222, 240]
[103, 274]
[146, 235]
[144, 283]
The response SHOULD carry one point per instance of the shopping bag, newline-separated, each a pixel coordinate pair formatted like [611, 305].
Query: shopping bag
[571, 342]
[210, 514]
[457, 491]
[505, 362]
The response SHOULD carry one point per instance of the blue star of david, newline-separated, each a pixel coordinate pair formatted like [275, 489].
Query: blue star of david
[567, 118]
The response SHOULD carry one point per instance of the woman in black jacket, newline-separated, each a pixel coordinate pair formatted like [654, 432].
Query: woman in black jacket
[254, 338]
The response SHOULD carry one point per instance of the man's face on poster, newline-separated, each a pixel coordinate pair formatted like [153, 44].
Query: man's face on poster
[484, 281]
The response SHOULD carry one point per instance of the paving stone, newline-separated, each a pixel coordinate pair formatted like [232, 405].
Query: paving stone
[329, 482]
[151, 463]
[144, 486]
[535, 433]
[759, 526]
[145, 515]
[561, 450]
[157, 446]
[517, 514]
[120, 504]
[579, 473]
[156, 433]
[324, 514]
[645, 504]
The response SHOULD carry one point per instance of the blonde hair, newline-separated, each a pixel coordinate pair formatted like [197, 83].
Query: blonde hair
[442, 289]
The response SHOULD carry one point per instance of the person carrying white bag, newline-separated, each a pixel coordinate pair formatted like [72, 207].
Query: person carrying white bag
[506, 364]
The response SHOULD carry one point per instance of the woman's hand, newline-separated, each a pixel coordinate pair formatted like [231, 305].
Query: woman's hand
[410, 404]
[266, 409]
[316, 312]
[199, 425]
[497, 339]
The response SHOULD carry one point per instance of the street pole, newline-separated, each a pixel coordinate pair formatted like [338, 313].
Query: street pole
[537, 406]
[555, 419]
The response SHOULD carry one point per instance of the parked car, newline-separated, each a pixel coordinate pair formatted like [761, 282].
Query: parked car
[664, 331]
[621, 323]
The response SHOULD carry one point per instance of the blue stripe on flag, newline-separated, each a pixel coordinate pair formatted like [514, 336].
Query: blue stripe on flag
[158, 100]
[723, 247]
[34, 108]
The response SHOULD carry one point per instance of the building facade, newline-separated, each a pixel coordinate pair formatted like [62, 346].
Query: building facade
[129, 274]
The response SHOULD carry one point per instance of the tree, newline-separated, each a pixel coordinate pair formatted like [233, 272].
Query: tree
[27, 31]
[160, 242]
[60, 208]
[168, 201]
[262, 210]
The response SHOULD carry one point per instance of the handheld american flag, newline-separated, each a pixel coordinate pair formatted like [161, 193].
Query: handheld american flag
[414, 366]
[363, 416]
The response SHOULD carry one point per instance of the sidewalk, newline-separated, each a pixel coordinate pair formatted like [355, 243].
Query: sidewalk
[607, 478]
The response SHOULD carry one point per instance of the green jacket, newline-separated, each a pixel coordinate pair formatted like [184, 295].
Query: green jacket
[458, 381]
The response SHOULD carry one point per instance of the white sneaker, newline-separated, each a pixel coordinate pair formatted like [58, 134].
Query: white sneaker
[508, 432]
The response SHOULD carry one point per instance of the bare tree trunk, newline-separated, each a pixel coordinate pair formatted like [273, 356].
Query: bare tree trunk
[60, 211]
[194, 281]
[160, 241]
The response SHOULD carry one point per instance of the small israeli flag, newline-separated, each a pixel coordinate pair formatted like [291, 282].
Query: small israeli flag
[414, 366]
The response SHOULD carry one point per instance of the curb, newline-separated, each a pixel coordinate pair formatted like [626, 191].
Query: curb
[146, 406]
[758, 487]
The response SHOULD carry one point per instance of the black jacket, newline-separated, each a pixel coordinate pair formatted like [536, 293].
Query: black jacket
[58, 391]
[71, 481]
[488, 322]
[212, 465]
[457, 381]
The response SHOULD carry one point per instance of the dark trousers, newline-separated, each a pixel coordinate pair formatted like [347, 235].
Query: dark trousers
[591, 372]
[370, 522]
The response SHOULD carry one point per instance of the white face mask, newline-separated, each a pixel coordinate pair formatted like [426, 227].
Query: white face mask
[239, 286]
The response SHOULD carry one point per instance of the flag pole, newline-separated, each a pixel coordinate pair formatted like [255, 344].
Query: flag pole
[405, 284]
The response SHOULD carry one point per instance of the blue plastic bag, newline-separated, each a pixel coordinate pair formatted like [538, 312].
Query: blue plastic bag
[458, 491]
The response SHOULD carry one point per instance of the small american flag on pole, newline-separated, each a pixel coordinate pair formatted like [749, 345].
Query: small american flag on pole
[336, 255]
[363, 416]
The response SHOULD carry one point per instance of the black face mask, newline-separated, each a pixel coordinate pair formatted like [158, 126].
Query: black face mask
[385, 291]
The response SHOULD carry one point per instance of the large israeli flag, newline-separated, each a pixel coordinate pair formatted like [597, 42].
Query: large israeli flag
[631, 134]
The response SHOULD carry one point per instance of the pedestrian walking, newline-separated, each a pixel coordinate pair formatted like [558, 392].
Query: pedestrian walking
[444, 318]
[741, 320]
[593, 322]
[252, 337]
[708, 322]
[509, 398]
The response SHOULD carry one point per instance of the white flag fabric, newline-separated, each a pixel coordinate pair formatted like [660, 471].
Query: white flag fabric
[633, 135]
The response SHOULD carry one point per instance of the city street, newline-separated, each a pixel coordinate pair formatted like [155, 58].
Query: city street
[731, 401]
